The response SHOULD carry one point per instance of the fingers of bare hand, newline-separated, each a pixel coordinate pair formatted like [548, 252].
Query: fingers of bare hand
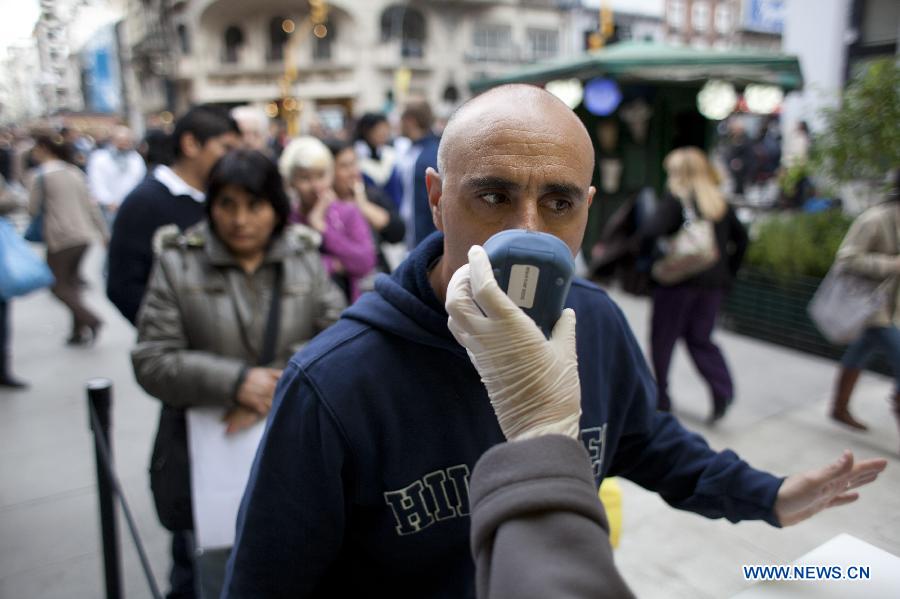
[863, 479]
[843, 499]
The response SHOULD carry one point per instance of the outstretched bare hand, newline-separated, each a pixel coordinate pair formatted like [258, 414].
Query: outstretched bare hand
[804, 495]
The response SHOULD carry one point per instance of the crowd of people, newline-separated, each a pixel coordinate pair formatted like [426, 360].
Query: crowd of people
[230, 252]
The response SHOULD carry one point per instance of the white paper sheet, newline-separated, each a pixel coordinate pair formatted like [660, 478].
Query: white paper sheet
[220, 467]
[845, 551]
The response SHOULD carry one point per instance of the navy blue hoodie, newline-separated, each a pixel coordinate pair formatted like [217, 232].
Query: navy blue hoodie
[360, 485]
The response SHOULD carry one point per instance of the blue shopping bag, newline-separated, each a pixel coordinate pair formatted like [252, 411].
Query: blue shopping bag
[21, 270]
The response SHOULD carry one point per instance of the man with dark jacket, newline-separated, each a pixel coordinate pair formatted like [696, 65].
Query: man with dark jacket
[361, 482]
[169, 195]
[415, 124]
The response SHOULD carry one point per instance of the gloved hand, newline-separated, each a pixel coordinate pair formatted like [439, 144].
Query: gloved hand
[532, 382]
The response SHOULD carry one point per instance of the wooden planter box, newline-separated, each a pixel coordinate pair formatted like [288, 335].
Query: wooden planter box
[763, 306]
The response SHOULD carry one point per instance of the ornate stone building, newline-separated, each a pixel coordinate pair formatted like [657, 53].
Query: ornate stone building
[365, 54]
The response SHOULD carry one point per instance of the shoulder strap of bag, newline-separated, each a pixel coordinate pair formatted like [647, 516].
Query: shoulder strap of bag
[270, 337]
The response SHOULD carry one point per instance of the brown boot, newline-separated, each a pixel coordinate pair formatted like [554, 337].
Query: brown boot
[846, 381]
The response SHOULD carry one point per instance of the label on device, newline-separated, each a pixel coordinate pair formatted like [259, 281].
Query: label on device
[523, 280]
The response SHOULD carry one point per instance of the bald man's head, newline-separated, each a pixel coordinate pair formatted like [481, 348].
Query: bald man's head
[512, 158]
[523, 106]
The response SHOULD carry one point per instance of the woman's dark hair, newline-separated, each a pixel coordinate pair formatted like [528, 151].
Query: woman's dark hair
[367, 122]
[56, 145]
[256, 174]
[337, 146]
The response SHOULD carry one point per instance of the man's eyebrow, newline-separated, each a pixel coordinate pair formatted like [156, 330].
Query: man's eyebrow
[565, 189]
[489, 183]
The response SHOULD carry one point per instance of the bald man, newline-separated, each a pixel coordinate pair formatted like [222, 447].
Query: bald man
[361, 483]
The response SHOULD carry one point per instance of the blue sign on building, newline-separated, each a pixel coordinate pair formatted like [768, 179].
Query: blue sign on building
[764, 16]
[100, 72]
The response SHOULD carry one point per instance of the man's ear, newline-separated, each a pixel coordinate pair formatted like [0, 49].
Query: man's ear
[190, 147]
[434, 187]
[592, 191]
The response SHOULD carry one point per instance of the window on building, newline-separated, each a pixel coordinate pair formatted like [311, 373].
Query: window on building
[543, 43]
[492, 42]
[184, 40]
[322, 46]
[677, 10]
[399, 22]
[278, 37]
[723, 18]
[234, 39]
[700, 16]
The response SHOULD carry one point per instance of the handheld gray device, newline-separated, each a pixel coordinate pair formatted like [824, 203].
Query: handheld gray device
[535, 270]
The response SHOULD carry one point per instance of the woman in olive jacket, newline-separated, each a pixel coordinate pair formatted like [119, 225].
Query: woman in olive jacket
[207, 331]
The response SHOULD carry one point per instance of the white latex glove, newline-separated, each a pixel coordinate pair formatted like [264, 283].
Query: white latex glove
[532, 382]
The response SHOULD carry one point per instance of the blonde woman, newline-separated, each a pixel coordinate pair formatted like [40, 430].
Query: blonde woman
[687, 310]
[348, 250]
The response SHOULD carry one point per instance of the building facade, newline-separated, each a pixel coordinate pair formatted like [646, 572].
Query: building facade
[351, 57]
[20, 99]
[59, 81]
[725, 23]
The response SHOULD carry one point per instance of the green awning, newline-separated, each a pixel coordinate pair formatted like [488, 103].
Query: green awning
[648, 62]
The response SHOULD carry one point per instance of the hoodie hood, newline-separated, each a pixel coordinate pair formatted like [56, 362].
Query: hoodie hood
[404, 303]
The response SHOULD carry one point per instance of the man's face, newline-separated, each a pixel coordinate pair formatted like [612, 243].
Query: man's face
[214, 148]
[512, 174]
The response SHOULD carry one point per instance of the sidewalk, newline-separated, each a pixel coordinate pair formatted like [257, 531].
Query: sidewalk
[49, 529]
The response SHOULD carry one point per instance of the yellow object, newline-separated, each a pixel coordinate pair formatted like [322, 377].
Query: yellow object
[611, 496]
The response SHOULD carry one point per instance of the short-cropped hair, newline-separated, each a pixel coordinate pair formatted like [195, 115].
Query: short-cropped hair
[305, 152]
[420, 113]
[204, 123]
[256, 174]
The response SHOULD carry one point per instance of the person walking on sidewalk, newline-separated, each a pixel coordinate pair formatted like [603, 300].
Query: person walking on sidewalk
[871, 249]
[71, 222]
[688, 309]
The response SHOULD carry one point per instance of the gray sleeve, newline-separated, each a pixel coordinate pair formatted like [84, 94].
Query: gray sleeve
[330, 300]
[856, 252]
[538, 527]
[165, 366]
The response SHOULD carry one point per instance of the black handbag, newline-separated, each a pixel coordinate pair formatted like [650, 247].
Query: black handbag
[170, 464]
[170, 472]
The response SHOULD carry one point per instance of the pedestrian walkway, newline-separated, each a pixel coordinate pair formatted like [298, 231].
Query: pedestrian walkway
[49, 528]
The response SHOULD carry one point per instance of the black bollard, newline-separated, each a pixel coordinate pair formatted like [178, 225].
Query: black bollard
[99, 393]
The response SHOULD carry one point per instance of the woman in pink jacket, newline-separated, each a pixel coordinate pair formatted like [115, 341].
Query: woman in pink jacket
[347, 247]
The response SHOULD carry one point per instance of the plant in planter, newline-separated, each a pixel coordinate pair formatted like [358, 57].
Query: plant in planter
[861, 139]
[800, 244]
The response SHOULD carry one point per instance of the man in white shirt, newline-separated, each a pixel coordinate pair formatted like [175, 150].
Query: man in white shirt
[114, 171]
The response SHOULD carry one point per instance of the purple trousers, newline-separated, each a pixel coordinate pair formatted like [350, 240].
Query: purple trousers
[688, 313]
